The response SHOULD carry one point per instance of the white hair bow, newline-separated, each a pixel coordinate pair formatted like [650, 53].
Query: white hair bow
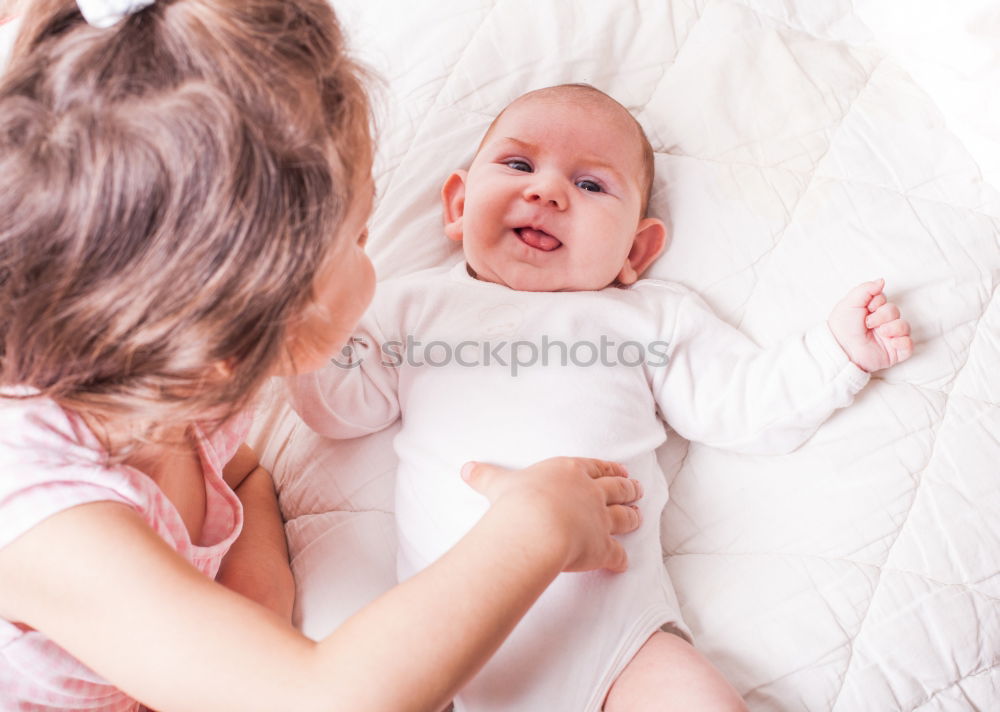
[105, 13]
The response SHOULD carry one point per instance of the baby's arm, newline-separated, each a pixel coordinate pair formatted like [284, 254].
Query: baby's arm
[356, 394]
[721, 389]
[257, 563]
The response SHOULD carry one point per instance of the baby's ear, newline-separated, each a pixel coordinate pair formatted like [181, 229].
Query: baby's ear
[650, 239]
[453, 199]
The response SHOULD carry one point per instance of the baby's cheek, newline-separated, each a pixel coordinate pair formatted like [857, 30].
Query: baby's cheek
[595, 269]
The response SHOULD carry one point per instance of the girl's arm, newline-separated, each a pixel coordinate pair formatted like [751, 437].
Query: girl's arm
[100, 583]
[257, 564]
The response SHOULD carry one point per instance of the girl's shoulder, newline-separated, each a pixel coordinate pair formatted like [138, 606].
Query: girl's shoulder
[35, 431]
[50, 461]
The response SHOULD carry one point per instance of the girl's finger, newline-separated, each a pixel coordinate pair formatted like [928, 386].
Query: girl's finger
[617, 559]
[882, 315]
[480, 474]
[603, 468]
[624, 518]
[620, 490]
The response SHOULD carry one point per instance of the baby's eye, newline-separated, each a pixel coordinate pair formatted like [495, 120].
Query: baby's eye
[589, 185]
[518, 165]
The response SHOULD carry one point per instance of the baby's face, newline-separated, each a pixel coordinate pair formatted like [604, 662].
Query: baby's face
[553, 199]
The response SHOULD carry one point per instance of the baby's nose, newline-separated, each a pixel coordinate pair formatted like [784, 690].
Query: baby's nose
[546, 189]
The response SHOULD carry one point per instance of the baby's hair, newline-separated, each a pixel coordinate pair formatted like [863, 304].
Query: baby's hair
[169, 188]
[586, 92]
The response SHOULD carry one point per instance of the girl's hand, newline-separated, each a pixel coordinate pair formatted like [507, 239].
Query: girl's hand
[576, 504]
[867, 326]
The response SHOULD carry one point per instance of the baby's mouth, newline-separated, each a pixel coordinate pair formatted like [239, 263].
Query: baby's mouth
[539, 239]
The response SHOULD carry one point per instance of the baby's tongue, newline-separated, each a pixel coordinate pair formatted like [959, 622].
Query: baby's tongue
[541, 240]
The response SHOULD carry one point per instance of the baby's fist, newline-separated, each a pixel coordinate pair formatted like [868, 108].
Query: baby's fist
[868, 328]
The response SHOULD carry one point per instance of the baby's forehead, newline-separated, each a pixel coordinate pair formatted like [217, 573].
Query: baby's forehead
[592, 114]
[586, 109]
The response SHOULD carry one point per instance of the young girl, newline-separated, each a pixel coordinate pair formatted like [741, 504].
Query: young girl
[184, 187]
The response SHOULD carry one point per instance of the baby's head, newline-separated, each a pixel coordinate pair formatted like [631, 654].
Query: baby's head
[176, 192]
[556, 196]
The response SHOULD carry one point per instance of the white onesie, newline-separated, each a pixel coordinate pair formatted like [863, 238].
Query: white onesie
[482, 372]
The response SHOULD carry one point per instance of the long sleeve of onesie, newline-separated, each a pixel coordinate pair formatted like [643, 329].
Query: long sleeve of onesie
[353, 396]
[721, 389]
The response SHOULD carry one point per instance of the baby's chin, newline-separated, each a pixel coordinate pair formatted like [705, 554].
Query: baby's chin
[533, 279]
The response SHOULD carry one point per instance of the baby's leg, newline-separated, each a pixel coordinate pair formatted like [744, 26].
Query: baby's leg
[669, 674]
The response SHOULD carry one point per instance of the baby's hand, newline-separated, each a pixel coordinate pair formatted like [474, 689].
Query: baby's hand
[869, 329]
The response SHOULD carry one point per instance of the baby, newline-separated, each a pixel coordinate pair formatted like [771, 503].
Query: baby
[546, 321]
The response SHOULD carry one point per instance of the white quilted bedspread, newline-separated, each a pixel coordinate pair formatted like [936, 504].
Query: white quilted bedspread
[802, 146]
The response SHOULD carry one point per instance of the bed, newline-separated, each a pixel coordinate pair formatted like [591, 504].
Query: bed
[801, 148]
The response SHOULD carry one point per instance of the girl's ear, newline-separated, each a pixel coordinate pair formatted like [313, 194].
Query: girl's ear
[453, 199]
[650, 239]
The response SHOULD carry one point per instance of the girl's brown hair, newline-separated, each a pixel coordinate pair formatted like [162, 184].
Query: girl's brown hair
[168, 190]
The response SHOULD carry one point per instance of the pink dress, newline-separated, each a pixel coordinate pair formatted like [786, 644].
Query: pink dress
[50, 461]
